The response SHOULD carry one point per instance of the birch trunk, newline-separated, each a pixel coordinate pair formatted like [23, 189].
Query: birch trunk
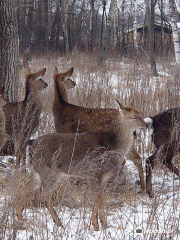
[172, 8]
[92, 25]
[150, 5]
[65, 24]
[107, 32]
[116, 26]
[9, 49]
[136, 46]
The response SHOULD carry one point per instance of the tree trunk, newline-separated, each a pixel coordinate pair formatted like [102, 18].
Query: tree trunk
[116, 26]
[92, 24]
[172, 8]
[102, 24]
[47, 27]
[9, 49]
[65, 8]
[123, 28]
[107, 32]
[150, 5]
[136, 46]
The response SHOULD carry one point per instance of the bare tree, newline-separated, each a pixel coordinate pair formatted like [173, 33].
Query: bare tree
[135, 28]
[9, 48]
[150, 6]
[92, 26]
[65, 7]
[172, 11]
[107, 32]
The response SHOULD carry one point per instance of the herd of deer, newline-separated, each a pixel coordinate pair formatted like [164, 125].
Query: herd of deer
[106, 135]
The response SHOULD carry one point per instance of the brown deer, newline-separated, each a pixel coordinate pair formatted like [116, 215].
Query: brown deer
[3, 135]
[69, 118]
[56, 156]
[22, 118]
[165, 136]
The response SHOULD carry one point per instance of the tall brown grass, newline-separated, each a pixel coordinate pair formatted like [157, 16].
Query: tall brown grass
[126, 208]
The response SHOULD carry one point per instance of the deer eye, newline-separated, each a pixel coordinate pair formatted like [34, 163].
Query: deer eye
[134, 118]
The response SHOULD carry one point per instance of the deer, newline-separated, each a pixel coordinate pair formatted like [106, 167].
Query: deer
[3, 135]
[164, 128]
[64, 155]
[22, 118]
[69, 118]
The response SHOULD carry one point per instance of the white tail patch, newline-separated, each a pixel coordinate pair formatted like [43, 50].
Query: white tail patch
[36, 181]
[149, 122]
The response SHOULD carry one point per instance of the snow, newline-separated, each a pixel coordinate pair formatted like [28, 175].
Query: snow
[162, 212]
[122, 221]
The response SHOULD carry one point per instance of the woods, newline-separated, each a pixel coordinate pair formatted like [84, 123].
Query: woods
[89, 25]
[89, 119]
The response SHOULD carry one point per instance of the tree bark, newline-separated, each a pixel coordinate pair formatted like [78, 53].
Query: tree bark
[92, 25]
[65, 7]
[136, 46]
[9, 49]
[150, 5]
[172, 8]
[107, 32]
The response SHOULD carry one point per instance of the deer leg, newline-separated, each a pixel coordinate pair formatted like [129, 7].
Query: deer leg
[53, 212]
[150, 164]
[136, 159]
[102, 216]
[22, 204]
[95, 200]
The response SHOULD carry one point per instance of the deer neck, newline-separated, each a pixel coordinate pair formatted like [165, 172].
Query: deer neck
[32, 95]
[123, 136]
[60, 93]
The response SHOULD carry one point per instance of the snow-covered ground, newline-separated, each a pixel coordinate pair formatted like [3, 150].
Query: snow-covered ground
[127, 210]
[159, 218]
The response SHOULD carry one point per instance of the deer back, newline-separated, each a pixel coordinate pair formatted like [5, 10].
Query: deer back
[71, 118]
[68, 150]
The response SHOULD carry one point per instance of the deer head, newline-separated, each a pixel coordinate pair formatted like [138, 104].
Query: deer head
[132, 118]
[34, 82]
[64, 78]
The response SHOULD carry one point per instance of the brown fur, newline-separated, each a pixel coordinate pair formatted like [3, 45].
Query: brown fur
[76, 152]
[22, 118]
[3, 135]
[69, 118]
[166, 137]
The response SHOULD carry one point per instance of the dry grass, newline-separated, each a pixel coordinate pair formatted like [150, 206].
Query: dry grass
[99, 88]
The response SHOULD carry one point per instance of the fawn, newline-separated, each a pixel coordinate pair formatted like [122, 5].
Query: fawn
[22, 118]
[69, 118]
[56, 156]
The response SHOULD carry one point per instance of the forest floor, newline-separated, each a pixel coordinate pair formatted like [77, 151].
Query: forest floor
[127, 209]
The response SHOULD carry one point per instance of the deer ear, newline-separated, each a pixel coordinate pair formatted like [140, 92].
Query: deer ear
[40, 73]
[122, 107]
[55, 72]
[68, 73]
[70, 83]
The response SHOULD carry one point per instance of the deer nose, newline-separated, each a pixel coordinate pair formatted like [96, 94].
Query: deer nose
[45, 85]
